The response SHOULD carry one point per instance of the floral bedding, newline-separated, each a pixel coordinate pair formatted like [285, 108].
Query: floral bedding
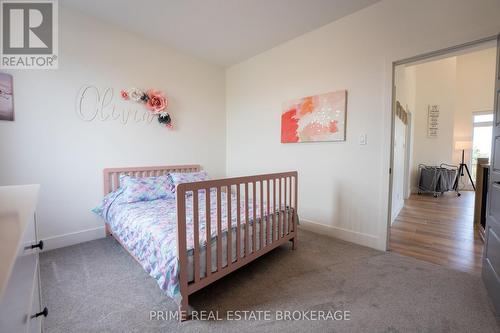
[149, 231]
[146, 188]
[177, 178]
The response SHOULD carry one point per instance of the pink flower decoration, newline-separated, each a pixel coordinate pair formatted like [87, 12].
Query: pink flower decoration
[124, 94]
[157, 101]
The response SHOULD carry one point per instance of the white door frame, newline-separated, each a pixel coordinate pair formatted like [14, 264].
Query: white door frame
[408, 153]
[392, 112]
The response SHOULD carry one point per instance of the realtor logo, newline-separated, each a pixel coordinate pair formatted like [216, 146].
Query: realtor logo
[29, 34]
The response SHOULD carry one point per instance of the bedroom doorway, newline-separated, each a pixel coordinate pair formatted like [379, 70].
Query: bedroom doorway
[442, 119]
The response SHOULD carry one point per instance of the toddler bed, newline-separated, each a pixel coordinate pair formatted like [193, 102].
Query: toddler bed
[242, 218]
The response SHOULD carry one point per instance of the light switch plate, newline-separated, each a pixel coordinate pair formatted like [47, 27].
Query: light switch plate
[362, 139]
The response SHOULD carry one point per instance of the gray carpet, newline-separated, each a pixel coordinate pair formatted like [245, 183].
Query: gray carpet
[97, 287]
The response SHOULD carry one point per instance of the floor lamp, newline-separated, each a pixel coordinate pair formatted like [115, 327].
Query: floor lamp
[463, 146]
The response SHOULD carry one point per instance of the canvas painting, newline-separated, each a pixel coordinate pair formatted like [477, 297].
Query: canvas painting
[6, 97]
[315, 118]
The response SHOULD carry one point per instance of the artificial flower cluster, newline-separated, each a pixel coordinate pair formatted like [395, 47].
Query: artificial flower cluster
[154, 100]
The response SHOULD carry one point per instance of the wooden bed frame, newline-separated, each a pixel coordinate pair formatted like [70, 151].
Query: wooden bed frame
[276, 189]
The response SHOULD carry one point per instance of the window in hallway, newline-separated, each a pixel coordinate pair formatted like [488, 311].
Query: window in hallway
[481, 139]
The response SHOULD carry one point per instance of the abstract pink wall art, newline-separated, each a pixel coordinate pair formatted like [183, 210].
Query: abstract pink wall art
[315, 118]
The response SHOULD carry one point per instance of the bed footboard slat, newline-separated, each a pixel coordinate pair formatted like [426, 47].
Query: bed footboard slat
[208, 231]
[261, 219]
[182, 249]
[273, 233]
[285, 215]
[196, 238]
[247, 239]
[295, 214]
[268, 206]
[290, 211]
[283, 207]
[219, 231]
[229, 227]
[280, 215]
[285, 200]
[238, 223]
[254, 221]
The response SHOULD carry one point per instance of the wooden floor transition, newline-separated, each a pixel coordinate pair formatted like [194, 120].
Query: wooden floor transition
[439, 230]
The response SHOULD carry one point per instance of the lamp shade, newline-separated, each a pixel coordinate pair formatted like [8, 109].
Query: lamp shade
[463, 145]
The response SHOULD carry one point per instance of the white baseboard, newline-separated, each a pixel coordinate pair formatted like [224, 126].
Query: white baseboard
[55, 242]
[341, 233]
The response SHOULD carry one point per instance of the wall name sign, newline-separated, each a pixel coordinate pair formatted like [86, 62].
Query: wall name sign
[94, 104]
[432, 121]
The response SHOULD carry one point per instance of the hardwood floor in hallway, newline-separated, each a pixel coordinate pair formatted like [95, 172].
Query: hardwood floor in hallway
[439, 230]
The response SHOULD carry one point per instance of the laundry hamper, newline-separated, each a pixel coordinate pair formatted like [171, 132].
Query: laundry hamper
[436, 179]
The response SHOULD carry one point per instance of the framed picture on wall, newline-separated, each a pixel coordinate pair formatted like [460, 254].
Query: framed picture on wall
[432, 121]
[6, 97]
[315, 118]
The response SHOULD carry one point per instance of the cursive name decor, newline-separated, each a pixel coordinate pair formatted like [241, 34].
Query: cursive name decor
[95, 104]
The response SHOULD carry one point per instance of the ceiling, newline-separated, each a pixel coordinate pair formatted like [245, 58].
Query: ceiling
[223, 32]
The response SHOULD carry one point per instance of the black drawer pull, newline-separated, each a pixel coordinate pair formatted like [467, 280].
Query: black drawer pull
[497, 182]
[39, 245]
[44, 313]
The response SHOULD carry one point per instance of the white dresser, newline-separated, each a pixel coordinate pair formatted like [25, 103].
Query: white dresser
[20, 296]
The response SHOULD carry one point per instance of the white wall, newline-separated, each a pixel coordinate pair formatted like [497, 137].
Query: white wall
[435, 85]
[50, 145]
[343, 186]
[405, 83]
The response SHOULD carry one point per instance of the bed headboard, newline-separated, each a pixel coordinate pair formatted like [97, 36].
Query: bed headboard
[112, 175]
